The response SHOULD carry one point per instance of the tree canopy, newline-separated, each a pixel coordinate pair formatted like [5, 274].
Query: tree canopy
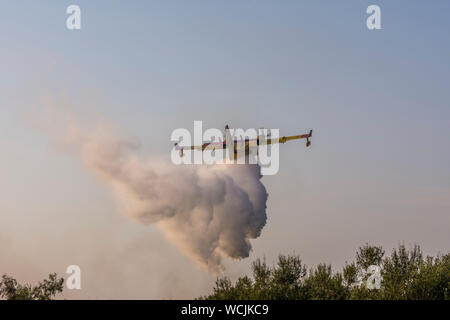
[405, 274]
[10, 289]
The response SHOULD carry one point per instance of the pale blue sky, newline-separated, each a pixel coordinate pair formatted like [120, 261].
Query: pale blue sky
[379, 103]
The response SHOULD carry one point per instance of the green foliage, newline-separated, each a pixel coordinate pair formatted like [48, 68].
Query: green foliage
[432, 280]
[322, 284]
[405, 275]
[369, 255]
[10, 289]
[400, 271]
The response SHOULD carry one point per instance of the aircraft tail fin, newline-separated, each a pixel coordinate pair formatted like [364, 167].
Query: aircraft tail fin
[229, 142]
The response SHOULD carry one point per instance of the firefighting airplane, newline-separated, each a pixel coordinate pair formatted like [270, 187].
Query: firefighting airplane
[236, 145]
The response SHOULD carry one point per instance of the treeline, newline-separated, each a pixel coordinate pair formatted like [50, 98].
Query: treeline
[404, 274]
[47, 289]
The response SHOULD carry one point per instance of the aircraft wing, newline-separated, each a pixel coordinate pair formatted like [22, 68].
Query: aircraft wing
[301, 136]
[205, 146]
[284, 139]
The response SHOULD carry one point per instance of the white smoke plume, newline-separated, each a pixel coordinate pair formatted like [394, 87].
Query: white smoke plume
[208, 212]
